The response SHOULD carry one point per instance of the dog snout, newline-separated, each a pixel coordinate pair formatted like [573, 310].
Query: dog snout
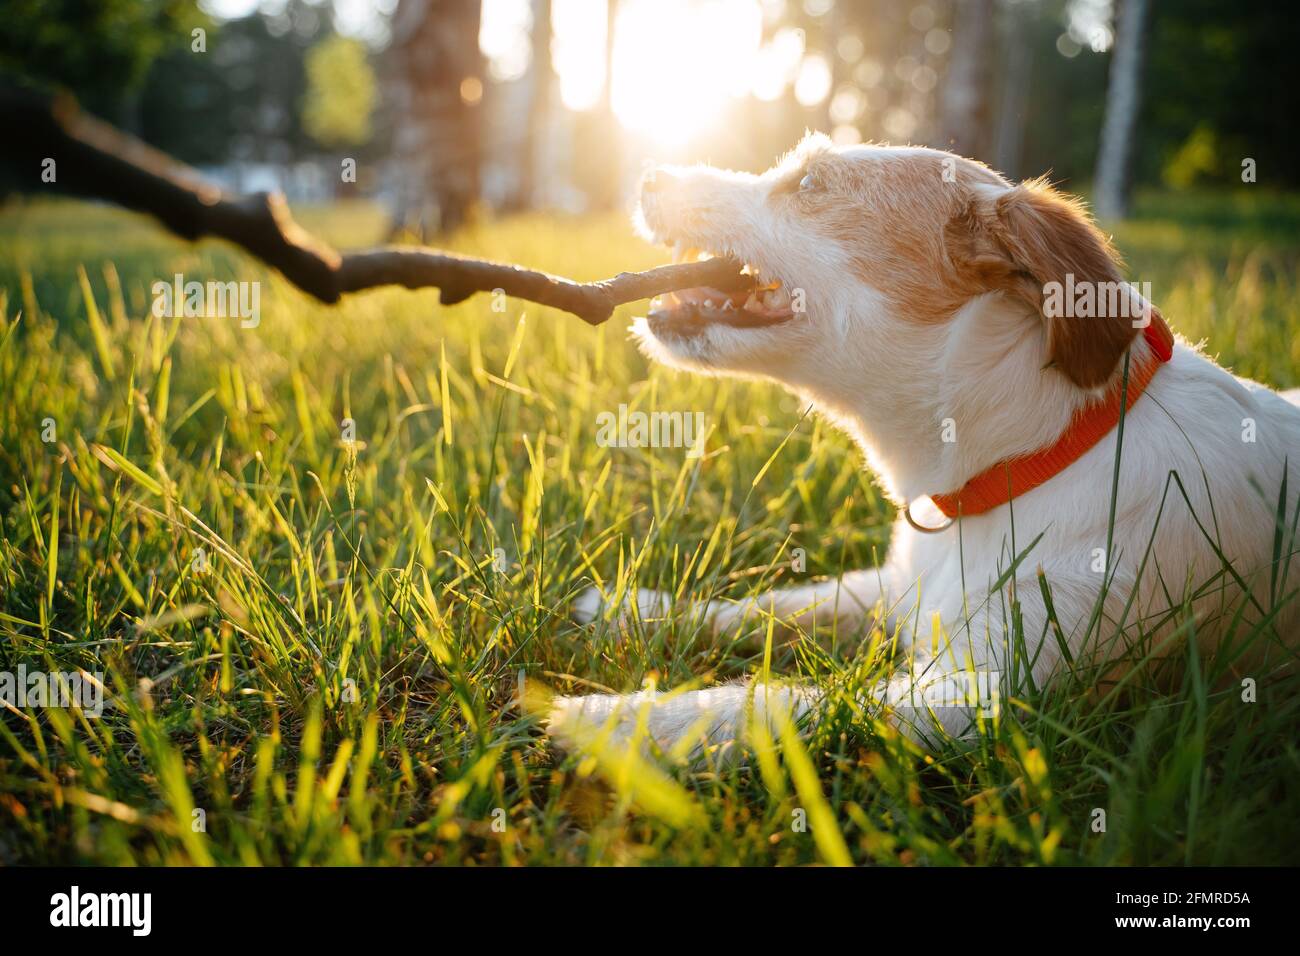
[693, 203]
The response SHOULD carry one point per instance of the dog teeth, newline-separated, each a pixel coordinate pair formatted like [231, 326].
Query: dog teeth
[761, 282]
[752, 301]
[777, 299]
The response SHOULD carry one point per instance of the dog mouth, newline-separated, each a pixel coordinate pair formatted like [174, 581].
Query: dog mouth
[761, 302]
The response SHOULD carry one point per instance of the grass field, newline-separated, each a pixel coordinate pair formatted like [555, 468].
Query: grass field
[318, 644]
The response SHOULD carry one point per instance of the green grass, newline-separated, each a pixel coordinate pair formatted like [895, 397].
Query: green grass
[339, 685]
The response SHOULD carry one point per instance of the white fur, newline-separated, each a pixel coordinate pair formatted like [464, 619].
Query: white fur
[889, 384]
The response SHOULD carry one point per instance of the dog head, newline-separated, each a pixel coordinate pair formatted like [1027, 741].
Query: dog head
[896, 289]
[861, 257]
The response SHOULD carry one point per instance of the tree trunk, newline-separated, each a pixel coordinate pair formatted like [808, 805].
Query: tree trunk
[607, 190]
[1017, 69]
[1123, 102]
[531, 151]
[438, 84]
[964, 118]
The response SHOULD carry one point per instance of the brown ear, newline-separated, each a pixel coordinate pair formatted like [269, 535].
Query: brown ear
[1032, 236]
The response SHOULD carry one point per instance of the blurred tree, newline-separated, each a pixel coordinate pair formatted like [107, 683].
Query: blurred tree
[1123, 101]
[885, 62]
[541, 73]
[1064, 105]
[1016, 21]
[966, 117]
[240, 99]
[1199, 158]
[597, 146]
[605, 191]
[1223, 84]
[99, 50]
[340, 93]
[437, 79]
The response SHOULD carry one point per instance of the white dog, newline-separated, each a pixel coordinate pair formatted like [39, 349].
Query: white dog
[973, 337]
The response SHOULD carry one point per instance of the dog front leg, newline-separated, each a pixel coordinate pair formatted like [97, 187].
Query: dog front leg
[848, 603]
[983, 654]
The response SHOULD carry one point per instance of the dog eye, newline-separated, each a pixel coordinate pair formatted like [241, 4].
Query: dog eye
[807, 184]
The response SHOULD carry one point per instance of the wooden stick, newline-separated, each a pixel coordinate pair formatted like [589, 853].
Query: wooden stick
[96, 160]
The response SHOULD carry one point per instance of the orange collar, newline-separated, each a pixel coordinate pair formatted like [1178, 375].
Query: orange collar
[1008, 479]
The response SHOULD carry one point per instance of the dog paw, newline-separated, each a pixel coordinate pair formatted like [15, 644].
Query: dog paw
[591, 605]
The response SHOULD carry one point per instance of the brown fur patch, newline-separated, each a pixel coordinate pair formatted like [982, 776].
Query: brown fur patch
[1045, 236]
[890, 210]
[931, 231]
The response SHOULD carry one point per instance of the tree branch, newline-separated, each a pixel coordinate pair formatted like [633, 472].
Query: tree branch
[95, 160]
